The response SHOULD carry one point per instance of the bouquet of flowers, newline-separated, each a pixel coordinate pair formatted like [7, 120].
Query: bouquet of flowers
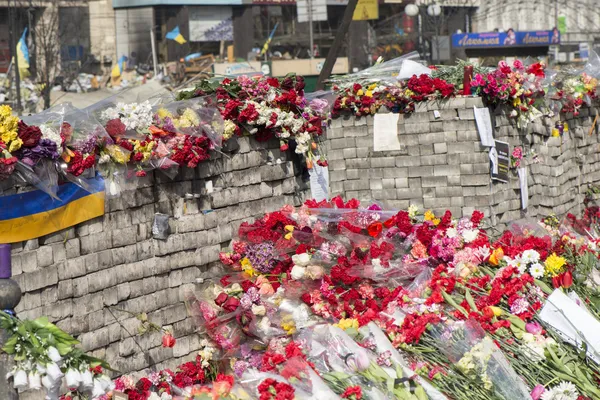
[46, 355]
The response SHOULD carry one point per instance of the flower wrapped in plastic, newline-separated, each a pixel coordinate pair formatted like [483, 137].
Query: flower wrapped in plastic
[189, 117]
[473, 353]
[268, 386]
[219, 317]
[123, 119]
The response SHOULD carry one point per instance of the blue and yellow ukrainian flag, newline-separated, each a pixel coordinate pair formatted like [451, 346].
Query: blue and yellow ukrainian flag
[176, 35]
[268, 42]
[23, 55]
[33, 214]
[118, 69]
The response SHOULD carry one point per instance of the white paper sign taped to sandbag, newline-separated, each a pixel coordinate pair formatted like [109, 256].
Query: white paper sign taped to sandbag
[484, 126]
[319, 182]
[385, 132]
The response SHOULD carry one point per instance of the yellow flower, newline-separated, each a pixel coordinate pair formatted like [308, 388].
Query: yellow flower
[369, 93]
[372, 86]
[290, 231]
[15, 145]
[429, 216]
[566, 127]
[496, 310]
[188, 119]
[516, 102]
[288, 325]
[118, 154]
[554, 265]
[146, 149]
[496, 256]
[346, 323]
[163, 113]
[228, 129]
[247, 267]
[360, 92]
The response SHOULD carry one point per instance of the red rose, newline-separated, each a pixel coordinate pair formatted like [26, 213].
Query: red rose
[168, 340]
[29, 134]
[221, 298]
[375, 229]
[231, 304]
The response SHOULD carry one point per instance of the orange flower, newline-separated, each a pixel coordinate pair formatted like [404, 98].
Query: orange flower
[496, 256]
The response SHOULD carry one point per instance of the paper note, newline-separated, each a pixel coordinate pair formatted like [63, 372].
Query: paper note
[524, 188]
[319, 182]
[572, 323]
[385, 132]
[484, 126]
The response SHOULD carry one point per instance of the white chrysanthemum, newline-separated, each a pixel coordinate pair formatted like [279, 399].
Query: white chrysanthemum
[536, 270]
[564, 391]
[530, 256]
[518, 263]
[51, 134]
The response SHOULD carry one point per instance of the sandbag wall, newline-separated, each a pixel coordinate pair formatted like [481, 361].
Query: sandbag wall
[93, 279]
[443, 166]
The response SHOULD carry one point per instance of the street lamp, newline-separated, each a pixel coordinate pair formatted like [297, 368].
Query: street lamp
[433, 10]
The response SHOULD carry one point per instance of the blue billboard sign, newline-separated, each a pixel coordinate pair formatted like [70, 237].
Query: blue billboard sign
[505, 39]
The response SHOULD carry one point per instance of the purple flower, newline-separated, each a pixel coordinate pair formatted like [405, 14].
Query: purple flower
[87, 145]
[262, 256]
[534, 328]
[240, 367]
[46, 148]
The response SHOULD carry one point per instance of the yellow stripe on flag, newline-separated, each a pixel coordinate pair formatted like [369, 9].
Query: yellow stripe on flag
[40, 224]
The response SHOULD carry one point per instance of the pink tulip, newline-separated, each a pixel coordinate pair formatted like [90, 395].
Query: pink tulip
[534, 328]
[538, 390]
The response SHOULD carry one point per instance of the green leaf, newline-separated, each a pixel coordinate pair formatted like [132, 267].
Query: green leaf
[516, 321]
[9, 346]
[420, 393]
[470, 301]
[63, 349]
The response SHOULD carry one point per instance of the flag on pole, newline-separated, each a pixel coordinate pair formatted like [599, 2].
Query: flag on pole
[23, 55]
[268, 42]
[118, 69]
[176, 35]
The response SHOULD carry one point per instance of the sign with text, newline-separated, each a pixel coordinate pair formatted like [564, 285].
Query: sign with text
[500, 173]
[366, 10]
[319, 10]
[505, 39]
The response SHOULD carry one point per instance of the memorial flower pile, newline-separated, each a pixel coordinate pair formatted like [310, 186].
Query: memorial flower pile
[403, 305]
[267, 108]
[571, 91]
[361, 101]
[518, 86]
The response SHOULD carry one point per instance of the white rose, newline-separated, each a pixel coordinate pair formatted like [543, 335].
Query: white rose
[258, 310]
[301, 260]
[53, 354]
[297, 272]
[73, 378]
[20, 380]
[35, 381]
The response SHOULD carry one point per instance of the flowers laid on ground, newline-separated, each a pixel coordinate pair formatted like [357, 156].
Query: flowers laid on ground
[46, 358]
[457, 314]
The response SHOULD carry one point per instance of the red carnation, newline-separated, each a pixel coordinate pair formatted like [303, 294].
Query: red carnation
[115, 127]
[143, 384]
